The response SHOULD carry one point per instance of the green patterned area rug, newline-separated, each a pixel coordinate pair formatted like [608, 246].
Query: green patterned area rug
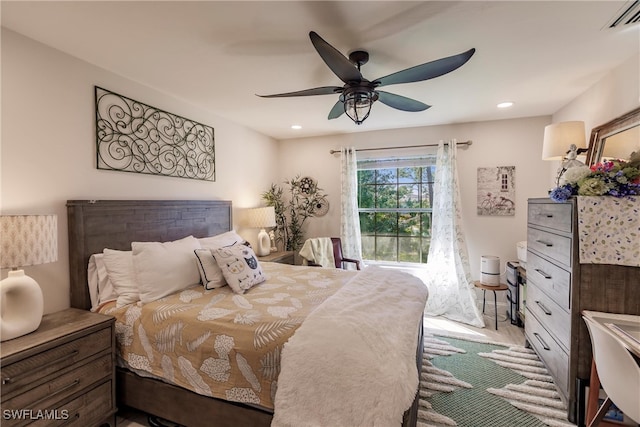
[474, 384]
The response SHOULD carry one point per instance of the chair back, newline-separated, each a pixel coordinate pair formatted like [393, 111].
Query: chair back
[618, 371]
[337, 251]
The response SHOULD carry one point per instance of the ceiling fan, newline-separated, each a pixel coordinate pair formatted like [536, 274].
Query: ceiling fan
[358, 94]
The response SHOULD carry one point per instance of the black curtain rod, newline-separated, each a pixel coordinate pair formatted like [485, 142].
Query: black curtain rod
[402, 146]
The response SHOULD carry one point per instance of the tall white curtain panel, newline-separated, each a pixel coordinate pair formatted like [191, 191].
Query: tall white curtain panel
[349, 217]
[451, 293]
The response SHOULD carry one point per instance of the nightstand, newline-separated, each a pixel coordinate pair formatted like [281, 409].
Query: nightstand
[283, 257]
[63, 372]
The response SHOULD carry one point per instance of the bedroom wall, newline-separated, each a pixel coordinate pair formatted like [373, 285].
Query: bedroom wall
[514, 142]
[618, 92]
[48, 148]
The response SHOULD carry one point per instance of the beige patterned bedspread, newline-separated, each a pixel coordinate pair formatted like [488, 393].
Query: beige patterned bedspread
[218, 343]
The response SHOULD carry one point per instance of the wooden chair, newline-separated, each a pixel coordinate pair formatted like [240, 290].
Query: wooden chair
[339, 258]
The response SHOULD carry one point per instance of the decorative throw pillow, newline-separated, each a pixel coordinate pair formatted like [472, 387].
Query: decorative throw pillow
[222, 240]
[100, 287]
[240, 267]
[122, 275]
[164, 268]
[210, 273]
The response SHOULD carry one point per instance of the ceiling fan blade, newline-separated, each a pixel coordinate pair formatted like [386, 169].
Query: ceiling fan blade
[401, 102]
[339, 64]
[337, 110]
[426, 71]
[324, 90]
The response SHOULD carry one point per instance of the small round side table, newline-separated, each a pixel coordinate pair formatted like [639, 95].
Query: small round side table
[485, 288]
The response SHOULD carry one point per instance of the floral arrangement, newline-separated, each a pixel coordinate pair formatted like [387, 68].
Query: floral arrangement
[616, 178]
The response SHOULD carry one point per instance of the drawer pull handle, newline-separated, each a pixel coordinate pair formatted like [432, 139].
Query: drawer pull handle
[549, 215]
[543, 308]
[7, 380]
[544, 344]
[57, 392]
[547, 244]
[543, 274]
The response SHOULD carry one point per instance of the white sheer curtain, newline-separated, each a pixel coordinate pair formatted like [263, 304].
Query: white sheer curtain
[451, 293]
[349, 219]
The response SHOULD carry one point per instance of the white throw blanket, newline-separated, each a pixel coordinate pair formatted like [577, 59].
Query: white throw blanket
[353, 360]
[318, 250]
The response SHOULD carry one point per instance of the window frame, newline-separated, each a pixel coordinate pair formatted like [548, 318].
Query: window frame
[422, 179]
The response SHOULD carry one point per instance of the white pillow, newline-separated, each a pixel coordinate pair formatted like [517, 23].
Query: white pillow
[240, 267]
[164, 268]
[101, 289]
[229, 238]
[121, 274]
[210, 273]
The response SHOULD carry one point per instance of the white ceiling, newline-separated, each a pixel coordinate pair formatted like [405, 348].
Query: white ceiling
[218, 55]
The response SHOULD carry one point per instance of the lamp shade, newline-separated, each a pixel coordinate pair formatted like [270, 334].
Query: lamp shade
[28, 240]
[558, 138]
[262, 217]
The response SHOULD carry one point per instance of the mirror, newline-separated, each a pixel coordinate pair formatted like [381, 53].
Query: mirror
[615, 139]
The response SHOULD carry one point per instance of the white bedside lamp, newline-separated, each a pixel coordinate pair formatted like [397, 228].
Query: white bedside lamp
[24, 240]
[262, 218]
[564, 139]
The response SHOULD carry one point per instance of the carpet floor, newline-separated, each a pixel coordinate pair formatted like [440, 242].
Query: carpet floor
[477, 384]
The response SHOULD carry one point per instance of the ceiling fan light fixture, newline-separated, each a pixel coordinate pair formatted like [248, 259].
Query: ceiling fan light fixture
[357, 104]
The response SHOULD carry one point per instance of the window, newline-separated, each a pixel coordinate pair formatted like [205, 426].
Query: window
[394, 202]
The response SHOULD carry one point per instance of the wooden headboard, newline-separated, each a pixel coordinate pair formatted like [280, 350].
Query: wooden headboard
[98, 224]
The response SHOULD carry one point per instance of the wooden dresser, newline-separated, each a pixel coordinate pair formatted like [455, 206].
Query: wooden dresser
[61, 374]
[559, 288]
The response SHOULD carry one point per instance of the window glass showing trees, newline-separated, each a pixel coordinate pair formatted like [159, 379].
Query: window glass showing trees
[394, 203]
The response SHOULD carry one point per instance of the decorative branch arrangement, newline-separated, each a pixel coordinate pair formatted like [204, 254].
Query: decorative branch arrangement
[135, 137]
[304, 200]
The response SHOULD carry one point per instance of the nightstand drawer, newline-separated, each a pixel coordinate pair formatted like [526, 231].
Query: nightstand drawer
[21, 375]
[553, 246]
[59, 388]
[553, 280]
[552, 215]
[554, 319]
[83, 411]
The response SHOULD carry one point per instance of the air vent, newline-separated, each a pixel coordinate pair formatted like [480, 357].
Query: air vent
[629, 15]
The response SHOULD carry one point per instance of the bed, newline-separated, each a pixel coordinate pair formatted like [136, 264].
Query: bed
[95, 225]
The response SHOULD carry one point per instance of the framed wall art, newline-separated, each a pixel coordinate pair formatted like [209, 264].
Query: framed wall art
[134, 137]
[497, 191]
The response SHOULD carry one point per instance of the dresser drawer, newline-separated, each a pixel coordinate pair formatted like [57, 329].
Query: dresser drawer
[61, 387]
[552, 215]
[553, 246]
[554, 319]
[553, 280]
[551, 353]
[22, 375]
[86, 410]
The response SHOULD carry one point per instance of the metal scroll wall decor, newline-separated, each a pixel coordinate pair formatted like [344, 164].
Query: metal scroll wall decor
[135, 137]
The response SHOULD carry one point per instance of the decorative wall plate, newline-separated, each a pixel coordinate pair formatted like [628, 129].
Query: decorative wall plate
[307, 185]
[321, 208]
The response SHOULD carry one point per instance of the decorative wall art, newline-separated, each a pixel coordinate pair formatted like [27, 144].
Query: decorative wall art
[497, 191]
[135, 137]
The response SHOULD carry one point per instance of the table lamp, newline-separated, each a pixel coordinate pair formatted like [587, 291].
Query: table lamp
[262, 218]
[24, 240]
[564, 141]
